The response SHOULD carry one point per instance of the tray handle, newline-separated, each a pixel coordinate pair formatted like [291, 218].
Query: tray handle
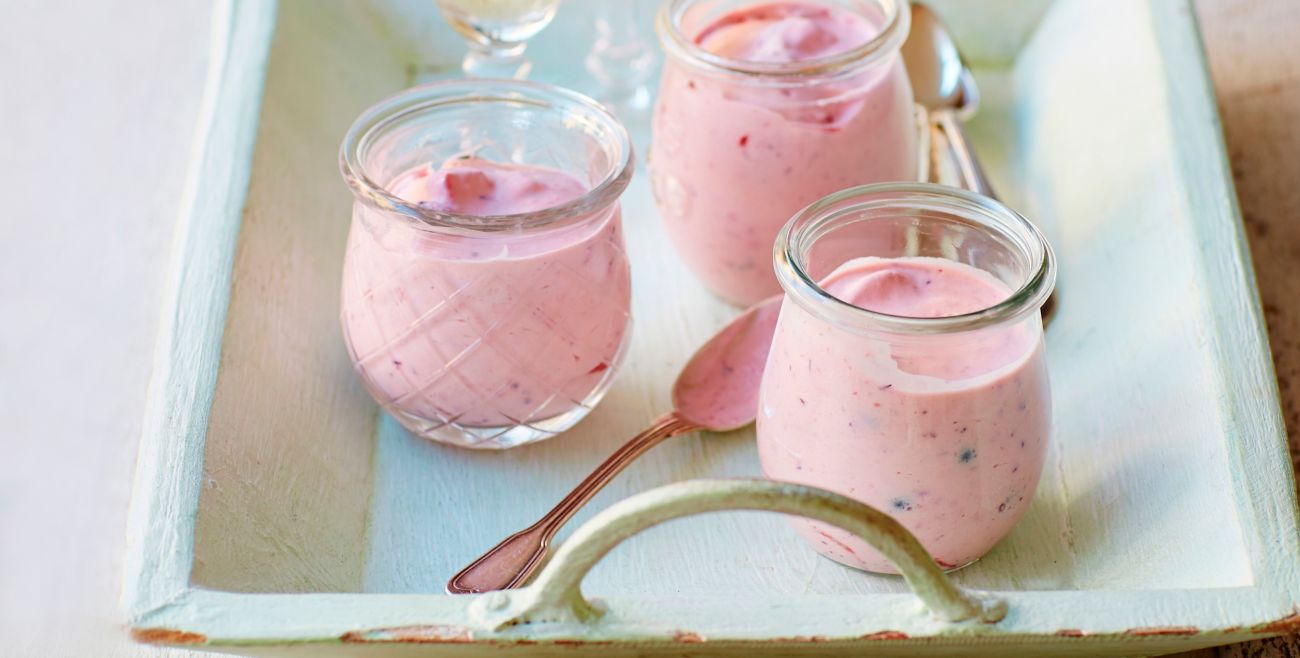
[556, 594]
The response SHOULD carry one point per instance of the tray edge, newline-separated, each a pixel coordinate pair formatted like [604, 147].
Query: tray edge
[187, 351]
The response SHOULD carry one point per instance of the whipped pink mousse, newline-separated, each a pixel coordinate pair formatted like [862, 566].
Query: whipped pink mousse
[946, 433]
[472, 186]
[785, 32]
[735, 156]
[490, 328]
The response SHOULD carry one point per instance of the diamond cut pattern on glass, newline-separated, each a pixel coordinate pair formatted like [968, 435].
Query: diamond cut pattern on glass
[489, 344]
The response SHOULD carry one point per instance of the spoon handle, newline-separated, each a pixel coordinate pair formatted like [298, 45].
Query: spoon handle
[973, 178]
[972, 172]
[508, 564]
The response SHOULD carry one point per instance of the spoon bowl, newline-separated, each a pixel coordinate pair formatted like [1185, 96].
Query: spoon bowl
[934, 65]
[718, 388]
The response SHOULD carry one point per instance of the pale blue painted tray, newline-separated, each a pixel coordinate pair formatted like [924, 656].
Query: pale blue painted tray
[276, 513]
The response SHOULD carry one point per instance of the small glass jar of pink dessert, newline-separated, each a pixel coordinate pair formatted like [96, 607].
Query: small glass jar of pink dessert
[908, 369]
[486, 289]
[764, 107]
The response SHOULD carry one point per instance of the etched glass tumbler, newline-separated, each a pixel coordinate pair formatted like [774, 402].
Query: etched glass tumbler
[486, 331]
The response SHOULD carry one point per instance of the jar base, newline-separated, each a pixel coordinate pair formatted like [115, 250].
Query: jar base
[491, 437]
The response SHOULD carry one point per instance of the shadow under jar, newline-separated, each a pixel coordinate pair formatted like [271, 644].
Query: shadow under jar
[765, 107]
[504, 327]
[908, 370]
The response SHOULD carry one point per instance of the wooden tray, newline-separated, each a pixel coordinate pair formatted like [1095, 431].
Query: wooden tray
[277, 513]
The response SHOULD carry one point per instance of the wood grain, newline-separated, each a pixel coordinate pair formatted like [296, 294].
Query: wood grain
[1256, 71]
[248, 463]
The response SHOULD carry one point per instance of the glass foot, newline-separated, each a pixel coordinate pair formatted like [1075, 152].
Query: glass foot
[501, 63]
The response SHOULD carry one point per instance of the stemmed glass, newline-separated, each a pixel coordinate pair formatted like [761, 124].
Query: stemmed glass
[621, 60]
[497, 32]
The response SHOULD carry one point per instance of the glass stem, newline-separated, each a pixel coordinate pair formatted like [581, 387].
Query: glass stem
[493, 61]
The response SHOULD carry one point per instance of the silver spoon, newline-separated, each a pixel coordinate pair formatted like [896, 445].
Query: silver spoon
[945, 87]
[717, 390]
[942, 83]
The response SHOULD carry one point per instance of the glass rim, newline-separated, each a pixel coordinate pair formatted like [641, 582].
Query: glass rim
[434, 96]
[887, 42]
[808, 293]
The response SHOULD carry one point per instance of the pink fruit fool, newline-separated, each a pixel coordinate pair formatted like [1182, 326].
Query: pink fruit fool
[734, 157]
[490, 328]
[946, 433]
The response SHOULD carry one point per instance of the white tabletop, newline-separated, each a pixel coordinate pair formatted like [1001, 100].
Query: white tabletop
[98, 103]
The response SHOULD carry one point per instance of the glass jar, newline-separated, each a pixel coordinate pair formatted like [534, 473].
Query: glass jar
[486, 331]
[941, 421]
[738, 147]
